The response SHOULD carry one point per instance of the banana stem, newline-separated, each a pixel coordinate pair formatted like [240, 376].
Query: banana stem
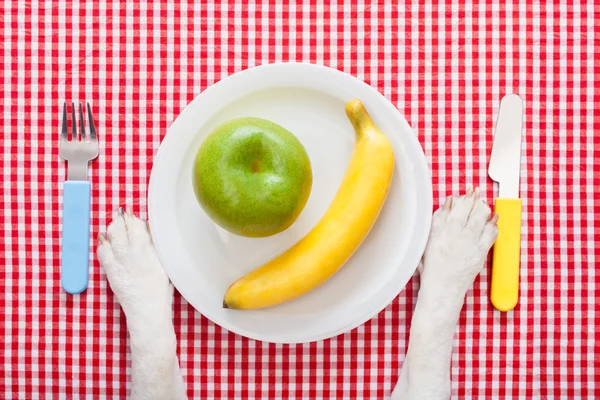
[358, 116]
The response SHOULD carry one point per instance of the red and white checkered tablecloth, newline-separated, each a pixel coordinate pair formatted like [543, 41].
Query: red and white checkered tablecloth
[445, 66]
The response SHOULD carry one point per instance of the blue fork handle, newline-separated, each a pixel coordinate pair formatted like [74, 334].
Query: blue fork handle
[75, 236]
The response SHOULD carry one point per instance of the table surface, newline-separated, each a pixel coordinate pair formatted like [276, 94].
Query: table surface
[445, 66]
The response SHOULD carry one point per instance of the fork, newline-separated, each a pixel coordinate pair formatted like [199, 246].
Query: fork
[76, 199]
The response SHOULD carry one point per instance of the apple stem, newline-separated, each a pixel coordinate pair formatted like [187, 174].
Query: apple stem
[255, 166]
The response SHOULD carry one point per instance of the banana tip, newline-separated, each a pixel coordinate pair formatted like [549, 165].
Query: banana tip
[358, 116]
[225, 304]
[353, 107]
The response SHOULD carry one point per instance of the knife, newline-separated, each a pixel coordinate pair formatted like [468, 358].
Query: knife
[504, 168]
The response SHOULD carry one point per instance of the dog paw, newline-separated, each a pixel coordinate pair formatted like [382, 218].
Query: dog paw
[128, 257]
[462, 234]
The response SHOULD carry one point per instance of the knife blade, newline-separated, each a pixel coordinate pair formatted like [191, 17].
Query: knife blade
[504, 168]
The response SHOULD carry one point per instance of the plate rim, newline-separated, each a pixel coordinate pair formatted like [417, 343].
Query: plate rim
[316, 68]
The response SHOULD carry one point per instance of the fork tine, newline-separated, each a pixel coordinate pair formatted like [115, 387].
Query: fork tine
[64, 133]
[91, 123]
[73, 123]
[82, 123]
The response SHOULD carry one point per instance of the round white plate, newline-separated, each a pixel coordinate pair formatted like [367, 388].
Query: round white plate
[202, 260]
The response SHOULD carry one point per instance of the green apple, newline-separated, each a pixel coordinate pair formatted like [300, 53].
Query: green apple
[252, 177]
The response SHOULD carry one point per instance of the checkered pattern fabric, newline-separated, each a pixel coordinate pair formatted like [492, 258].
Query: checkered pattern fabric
[445, 65]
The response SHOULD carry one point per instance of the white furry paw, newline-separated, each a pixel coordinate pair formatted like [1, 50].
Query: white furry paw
[132, 267]
[146, 296]
[462, 234]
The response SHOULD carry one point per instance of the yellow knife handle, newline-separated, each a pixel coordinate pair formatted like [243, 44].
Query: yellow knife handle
[504, 293]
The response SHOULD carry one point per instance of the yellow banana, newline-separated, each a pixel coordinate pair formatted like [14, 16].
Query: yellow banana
[327, 247]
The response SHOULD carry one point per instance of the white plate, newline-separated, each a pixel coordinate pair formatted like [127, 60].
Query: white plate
[202, 260]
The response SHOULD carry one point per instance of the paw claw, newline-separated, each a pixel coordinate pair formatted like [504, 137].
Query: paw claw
[420, 266]
[461, 210]
[448, 203]
[489, 234]
[106, 256]
[494, 219]
[117, 231]
[439, 217]
[137, 230]
[101, 238]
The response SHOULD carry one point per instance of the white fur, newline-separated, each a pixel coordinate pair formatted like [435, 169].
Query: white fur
[146, 296]
[461, 236]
